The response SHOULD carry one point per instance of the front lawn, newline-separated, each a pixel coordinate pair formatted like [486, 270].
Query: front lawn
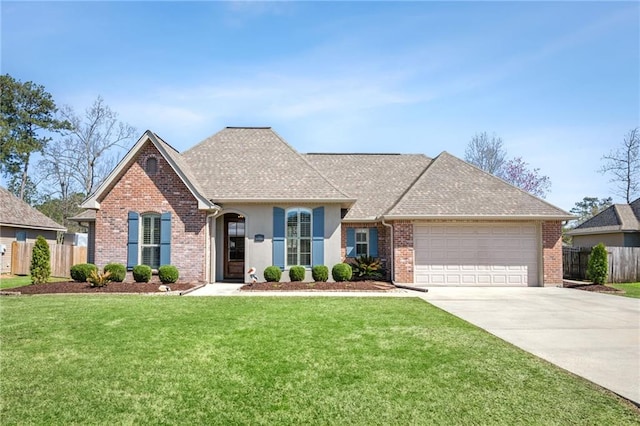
[252, 360]
[22, 280]
[630, 289]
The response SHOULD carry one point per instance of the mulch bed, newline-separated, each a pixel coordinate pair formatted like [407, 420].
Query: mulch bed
[592, 287]
[320, 286]
[113, 287]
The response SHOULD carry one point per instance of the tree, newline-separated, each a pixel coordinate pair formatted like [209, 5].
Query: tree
[61, 210]
[486, 154]
[517, 173]
[80, 161]
[624, 165]
[589, 207]
[597, 265]
[27, 116]
[40, 261]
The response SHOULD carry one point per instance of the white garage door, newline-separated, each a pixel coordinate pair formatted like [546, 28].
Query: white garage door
[473, 254]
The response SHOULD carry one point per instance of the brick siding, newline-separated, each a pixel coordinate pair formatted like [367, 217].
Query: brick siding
[403, 251]
[161, 192]
[383, 243]
[552, 252]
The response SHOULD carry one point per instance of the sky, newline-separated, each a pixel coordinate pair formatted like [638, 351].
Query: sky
[559, 82]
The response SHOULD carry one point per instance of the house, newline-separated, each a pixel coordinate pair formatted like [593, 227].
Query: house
[616, 226]
[245, 198]
[21, 222]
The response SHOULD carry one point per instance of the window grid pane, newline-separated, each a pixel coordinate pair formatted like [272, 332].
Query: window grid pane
[299, 230]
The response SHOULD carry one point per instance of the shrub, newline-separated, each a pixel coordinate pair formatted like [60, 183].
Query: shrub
[82, 271]
[117, 271]
[168, 274]
[142, 273]
[367, 267]
[597, 266]
[341, 272]
[96, 279]
[320, 273]
[297, 273]
[40, 261]
[272, 274]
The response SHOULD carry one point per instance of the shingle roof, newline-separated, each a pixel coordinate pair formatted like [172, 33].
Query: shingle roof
[250, 164]
[375, 180]
[450, 187]
[615, 218]
[15, 212]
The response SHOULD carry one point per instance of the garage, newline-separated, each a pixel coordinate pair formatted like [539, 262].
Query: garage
[473, 254]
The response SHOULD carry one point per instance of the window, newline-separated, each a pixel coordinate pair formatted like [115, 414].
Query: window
[21, 236]
[362, 242]
[298, 234]
[151, 165]
[151, 240]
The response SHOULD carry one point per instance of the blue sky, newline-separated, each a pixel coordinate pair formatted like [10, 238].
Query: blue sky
[557, 81]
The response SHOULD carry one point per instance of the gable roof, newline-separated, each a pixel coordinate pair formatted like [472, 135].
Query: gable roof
[254, 164]
[453, 189]
[16, 213]
[169, 153]
[376, 181]
[615, 218]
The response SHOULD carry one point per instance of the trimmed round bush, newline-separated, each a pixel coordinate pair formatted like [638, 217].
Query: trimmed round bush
[341, 272]
[320, 273]
[168, 274]
[297, 273]
[142, 273]
[117, 271]
[272, 274]
[82, 271]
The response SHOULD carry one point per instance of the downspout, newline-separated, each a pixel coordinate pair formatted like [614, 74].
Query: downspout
[212, 251]
[393, 254]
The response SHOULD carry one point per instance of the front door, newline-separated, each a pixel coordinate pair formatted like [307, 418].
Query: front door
[233, 247]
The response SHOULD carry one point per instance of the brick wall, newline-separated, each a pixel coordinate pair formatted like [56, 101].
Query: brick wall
[552, 252]
[403, 253]
[161, 192]
[384, 247]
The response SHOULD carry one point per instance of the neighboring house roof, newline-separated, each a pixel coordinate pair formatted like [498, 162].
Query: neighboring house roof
[453, 189]
[16, 213]
[615, 218]
[257, 165]
[84, 216]
[377, 181]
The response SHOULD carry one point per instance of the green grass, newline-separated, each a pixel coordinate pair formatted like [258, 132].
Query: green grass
[22, 280]
[284, 361]
[630, 289]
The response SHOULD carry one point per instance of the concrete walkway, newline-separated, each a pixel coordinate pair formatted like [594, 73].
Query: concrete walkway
[596, 336]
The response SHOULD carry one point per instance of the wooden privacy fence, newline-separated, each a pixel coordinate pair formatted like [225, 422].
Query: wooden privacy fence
[624, 263]
[63, 257]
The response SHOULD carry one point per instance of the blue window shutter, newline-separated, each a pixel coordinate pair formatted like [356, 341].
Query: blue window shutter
[132, 240]
[278, 237]
[373, 242]
[317, 247]
[351, 242]
[165, 239]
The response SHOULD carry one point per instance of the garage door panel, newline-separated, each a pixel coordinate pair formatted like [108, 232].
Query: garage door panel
[497, 254]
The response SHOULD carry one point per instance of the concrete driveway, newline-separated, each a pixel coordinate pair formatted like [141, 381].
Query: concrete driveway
[596, 336]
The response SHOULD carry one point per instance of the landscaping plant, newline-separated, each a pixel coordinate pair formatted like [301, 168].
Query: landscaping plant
[296, 273]
[367, 267]
[320, 273]
[117, 271]
[82, 271]
[168, 274]
[40, 261]
[597, 267]
[272, 274]
[96, 279]
[142, 273]
[341, 272]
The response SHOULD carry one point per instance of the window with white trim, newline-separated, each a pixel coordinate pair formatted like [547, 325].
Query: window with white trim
[298, 234]
[150, 247]
[362, 242]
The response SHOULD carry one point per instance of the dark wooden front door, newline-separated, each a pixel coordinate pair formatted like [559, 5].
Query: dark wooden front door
[233, 247]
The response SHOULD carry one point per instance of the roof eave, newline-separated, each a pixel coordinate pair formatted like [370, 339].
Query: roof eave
[598, 231]
[345, 202]
[43, 228]
[477, 217]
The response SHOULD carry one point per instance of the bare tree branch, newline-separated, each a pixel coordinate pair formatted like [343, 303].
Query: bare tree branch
[624, 165]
